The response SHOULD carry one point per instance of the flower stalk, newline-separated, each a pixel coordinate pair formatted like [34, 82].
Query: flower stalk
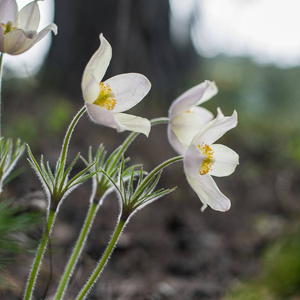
[131, 201]
[120, 226]
[77, 250]
[1, 68]
[39, 255]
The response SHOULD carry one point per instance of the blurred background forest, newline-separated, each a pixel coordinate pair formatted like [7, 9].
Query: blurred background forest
[170, 250]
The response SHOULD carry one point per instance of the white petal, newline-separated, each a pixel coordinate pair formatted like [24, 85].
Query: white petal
[210, 91]
[186, 125]
[92, 88]
[204, 114]
[30, 42]
[101, 116]
[209, 193]
[14, 41]
[133, 123]
[174, 141]
[226, 160]
[98, 63]
[194, 96]
[118, 121]
[128, 89]
[216, 128]
[8, 11]
[29, 16]
[193, 159]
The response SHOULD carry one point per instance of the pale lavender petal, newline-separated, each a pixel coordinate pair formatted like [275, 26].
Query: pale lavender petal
[174, 141]
[132, 123]
[118, 121]
[8, 11]
[13, 41]
[102, 116]
[209, 193]
[98, 63]
[32, 41]
[194, 96]
[216, 128]
[226, 160]
[128, 89]
[29, 16]
[186, 125]
[193, 159]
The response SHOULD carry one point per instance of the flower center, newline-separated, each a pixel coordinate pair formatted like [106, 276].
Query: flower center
[208, 161]
[7, 27]
[105, 98]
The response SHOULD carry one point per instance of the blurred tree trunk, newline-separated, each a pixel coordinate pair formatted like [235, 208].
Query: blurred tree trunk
[139, 33]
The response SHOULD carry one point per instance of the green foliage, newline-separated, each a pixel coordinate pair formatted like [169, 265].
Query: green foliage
[14, 219]
[280, 277]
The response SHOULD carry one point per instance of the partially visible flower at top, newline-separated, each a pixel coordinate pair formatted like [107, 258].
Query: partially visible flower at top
[203, 159]
[105, 101]
[186, 119]
[18, 30]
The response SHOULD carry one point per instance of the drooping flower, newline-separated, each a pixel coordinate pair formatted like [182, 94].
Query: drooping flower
[18, 30]
[106, 101]
[186, 118]
[204, 158]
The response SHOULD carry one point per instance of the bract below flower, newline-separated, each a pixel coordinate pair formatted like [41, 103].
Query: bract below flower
[106, 101]
[186, 119]
[204, 158]
[18, 30]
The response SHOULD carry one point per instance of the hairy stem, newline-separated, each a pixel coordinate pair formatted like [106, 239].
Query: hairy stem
[1, 67]
[39, 256]
[87, 287]
[77, 250]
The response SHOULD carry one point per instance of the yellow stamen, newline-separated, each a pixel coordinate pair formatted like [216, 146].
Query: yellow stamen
[105, 98]
[7, 27]
[209, 161]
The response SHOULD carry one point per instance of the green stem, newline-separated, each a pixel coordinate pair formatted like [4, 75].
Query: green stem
[77, 250]
[1, 67]
[103, 260]
[161, 120]
[64, 150]
[39, 256]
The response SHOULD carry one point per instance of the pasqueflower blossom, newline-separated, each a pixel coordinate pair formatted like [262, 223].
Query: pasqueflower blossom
[204, 158]
[186, 118]
[106, 101]
[18, 30]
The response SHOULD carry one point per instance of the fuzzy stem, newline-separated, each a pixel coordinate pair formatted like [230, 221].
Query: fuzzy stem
[77, 250]
[87, 287]
[39, 256]
[161, 120]
[1, 67]
[63, 155]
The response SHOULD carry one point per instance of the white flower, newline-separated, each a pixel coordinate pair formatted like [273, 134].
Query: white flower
[203, 159]
[186, 119]
[105, 101]
[18, 30]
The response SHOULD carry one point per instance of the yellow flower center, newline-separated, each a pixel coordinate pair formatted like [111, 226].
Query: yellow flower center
[106, 97]
[209, 161]
[7, 27]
